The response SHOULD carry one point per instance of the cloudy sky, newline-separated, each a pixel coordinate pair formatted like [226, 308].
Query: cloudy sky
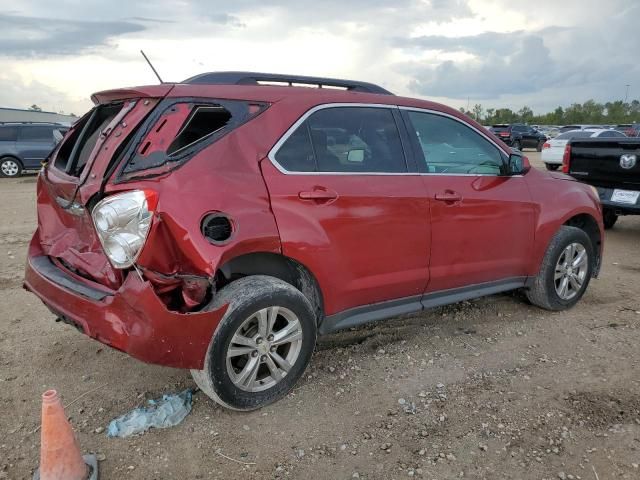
[540, 53]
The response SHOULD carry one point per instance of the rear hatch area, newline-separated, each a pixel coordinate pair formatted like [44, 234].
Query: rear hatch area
[76, 172]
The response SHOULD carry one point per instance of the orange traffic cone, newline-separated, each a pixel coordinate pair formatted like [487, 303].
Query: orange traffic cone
[60, 457]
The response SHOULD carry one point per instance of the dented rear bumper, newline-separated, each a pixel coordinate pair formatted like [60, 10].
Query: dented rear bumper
[131, 319]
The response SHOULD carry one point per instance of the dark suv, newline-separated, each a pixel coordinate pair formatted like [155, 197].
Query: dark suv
[519, 136]
[221, 224]
[24, 146]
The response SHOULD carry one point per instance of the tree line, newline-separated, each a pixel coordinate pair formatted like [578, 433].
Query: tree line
[579, 113]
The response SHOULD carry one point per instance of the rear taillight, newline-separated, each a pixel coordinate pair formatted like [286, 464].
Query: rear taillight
[504, 134]
[123, 222]
[546, 145]
[566, 158]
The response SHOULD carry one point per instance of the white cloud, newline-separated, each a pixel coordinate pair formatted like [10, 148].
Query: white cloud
[492, 51]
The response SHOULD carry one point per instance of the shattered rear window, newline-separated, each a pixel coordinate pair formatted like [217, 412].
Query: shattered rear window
[180, 128]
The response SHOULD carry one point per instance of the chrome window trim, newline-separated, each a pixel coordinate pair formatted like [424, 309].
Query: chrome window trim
[482, 134]
[274, 150]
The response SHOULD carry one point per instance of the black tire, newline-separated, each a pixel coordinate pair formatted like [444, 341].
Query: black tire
[552, 166]
[516, 144]
[245, 297]
[609, 218]
[543, 290]
[10, 167]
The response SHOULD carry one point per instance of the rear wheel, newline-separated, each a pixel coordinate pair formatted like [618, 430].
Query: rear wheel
[10, 167]
[516, 144]
[552, 166]
[565, 271]
[609, 218]
[262, 346]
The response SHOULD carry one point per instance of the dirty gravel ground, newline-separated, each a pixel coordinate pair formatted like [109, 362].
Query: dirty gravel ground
[488, 389]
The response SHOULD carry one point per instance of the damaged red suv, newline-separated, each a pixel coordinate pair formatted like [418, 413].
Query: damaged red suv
[222, 223]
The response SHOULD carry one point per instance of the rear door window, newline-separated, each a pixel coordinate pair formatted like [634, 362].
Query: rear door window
[36, 134]
[345, 139]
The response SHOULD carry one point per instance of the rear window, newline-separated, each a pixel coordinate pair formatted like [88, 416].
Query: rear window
[574, 134]
[500, 128]
[8, 134]
[76, 149]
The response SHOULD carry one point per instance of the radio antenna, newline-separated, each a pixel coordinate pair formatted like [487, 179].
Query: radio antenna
[151, 65]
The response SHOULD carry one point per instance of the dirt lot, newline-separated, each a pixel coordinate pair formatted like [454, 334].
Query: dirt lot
[487, 389]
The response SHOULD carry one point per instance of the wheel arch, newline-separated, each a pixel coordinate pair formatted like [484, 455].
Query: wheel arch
[587, 223]
[278, 266]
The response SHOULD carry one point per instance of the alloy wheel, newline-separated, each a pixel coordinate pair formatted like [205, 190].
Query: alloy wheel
[10, 168]
[264, 349]
[571, 271]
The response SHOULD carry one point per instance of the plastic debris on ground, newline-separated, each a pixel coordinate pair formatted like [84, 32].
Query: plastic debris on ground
[166, 412]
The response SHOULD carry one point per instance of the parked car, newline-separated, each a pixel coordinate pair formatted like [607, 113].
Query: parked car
[611, 166]
[24, 146]
[629, 129]
[220, 224]
[569, 128]
[519, 136]
[553, 150]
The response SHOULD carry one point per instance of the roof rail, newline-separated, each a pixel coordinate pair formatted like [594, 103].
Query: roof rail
[254, 78]
[16, 122]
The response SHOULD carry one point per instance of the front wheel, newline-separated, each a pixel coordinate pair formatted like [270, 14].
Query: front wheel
[552, 166]
[262, 346]
[565, 271]
[10, 167]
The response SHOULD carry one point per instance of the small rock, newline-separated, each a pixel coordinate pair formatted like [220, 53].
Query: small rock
[402, 401]
[99, 430]
[355, 475]
[440, 385]
[562, 476]
[300, 453]
[451, 456]
[246, 428]
[483, 447]
[101, 457]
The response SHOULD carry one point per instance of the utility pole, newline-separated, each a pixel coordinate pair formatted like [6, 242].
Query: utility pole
[626, 94]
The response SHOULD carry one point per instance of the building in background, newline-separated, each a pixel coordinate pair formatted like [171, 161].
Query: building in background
[18, 115]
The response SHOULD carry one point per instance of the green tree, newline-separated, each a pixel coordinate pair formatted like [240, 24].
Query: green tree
[525, 114]
[478, 112]
[35, 108]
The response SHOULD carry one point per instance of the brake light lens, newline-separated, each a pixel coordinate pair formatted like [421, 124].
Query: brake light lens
[546, 145]
[566, 158]
[123, 222]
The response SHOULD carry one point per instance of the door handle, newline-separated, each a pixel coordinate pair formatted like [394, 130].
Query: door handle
[448, 196]
[318, 195]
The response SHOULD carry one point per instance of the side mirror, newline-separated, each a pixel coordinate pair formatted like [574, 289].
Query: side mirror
[518, 164]
[355, 156]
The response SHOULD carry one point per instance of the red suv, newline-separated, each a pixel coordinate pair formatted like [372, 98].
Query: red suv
[220, 224]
